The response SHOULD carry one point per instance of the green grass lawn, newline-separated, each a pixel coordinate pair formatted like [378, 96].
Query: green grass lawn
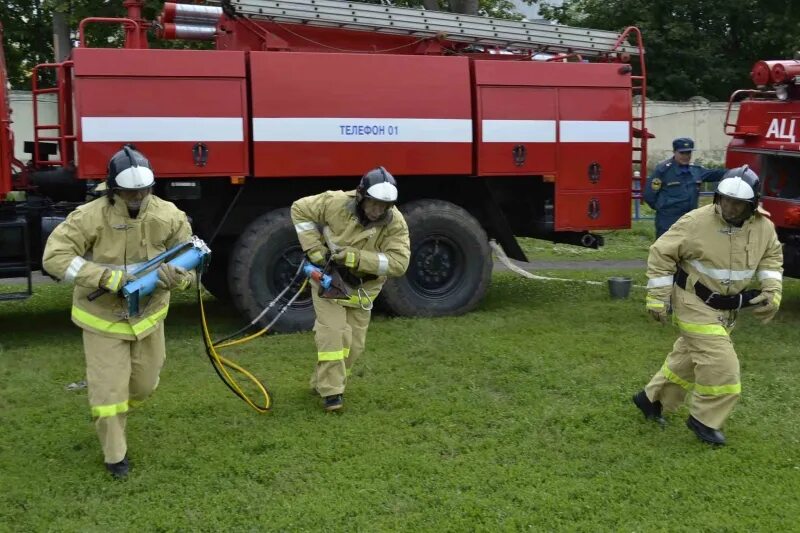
[516, 416]
[620, 245]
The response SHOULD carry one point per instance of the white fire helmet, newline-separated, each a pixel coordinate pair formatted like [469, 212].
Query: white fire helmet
[378, 184]
[130, 170]
[740, 183]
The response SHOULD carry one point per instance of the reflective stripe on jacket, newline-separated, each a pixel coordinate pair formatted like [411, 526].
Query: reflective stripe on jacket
[99, 236]
[384, 245]
[722, 257]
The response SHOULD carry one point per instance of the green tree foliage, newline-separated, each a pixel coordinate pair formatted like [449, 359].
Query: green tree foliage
[27, 38]
[695, 47]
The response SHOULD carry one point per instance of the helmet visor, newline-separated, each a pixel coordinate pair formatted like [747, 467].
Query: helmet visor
[135, 178]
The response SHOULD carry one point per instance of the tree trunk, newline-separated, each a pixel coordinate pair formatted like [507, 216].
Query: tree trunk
[467, 7]
[61, 43]
[431, 5]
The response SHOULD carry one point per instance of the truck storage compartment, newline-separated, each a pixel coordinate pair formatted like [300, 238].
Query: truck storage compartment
[578, 211]
[185, 109]
[327, 114]
[569, 123]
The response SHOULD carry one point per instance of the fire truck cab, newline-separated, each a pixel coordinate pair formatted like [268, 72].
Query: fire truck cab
[766, 136]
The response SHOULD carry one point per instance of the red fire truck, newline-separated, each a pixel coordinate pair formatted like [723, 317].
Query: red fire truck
[767, 137]
[494, 129]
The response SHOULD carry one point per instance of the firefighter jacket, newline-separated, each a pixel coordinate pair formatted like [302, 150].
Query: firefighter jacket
[722, 257]
[99, 236]
[330, 219]
[673, 190]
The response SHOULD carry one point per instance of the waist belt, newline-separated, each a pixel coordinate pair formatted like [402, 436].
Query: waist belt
[713, 299]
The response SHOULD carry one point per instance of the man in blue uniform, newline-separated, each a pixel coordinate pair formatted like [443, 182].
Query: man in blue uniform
[674, 186]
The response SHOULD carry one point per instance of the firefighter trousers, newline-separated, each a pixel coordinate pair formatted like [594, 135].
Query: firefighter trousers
[340, 333]
[119, 375]
[704, 365]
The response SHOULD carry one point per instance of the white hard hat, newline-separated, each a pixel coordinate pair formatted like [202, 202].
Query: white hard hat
[129, 169]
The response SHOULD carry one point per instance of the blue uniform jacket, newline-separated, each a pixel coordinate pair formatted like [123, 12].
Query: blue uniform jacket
[673, 190]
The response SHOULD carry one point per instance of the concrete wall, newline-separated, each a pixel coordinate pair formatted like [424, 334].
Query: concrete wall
[701, 120]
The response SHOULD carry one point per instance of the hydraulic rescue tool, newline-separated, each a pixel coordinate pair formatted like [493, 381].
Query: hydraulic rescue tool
[191, 259]
[331, 284]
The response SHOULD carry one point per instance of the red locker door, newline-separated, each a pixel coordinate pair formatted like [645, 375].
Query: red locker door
[517, 130]
[593, 187]
[184, 109]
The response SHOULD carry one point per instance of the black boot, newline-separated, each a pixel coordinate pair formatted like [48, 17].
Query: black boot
[119, 470]
[705, 433]
[333, 402]
[650, 410]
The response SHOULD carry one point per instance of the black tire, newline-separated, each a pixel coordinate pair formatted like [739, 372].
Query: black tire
[264, 260]
[450, 268]
[215, 278]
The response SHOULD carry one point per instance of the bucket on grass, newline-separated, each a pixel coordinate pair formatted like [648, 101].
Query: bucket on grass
[619, 287]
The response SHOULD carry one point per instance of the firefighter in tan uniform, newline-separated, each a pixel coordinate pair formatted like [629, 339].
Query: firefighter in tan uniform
[96, 247]
[701, 268]
[367, 238]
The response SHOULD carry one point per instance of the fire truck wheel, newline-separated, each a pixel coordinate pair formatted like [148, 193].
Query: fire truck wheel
[450, 267]
[263, 262]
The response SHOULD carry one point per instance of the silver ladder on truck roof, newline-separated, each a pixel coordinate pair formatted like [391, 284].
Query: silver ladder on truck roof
[421, 23]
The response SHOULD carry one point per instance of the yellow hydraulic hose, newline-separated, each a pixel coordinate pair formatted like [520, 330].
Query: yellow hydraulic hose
[221, 364]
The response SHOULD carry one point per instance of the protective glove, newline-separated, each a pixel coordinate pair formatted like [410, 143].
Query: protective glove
[766, 305]
[347, 256]
[173, 277]
[657, 303]
[112, 280]
[318, 254]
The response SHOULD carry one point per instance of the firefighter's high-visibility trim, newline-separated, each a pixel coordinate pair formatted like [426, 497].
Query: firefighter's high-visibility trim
[162, 129]
[114, 281]
[330, 356]
[383, 264]
[653, 303]
[708, 390]
[346, 352]
[350, 260]
[663, 281]
[103, 411]
[769, 274]
[673, 377]
[776, 300]
[722, 273]
[703, 329]
[119, 327]
[74, 267]
[300, 227]
[134, 403]
[718, 390]
[316, 257]
[355, 300]
[594, 131]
